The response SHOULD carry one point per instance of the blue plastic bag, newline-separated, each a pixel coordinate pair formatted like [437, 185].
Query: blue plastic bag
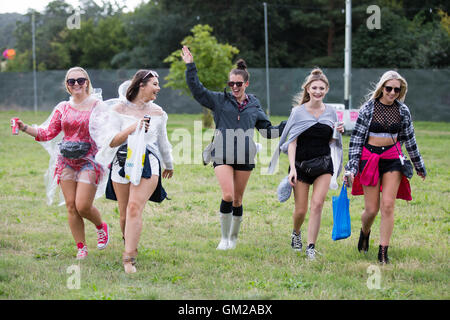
[341, 215]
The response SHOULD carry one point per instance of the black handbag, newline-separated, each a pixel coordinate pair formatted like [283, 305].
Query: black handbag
[121, 154]
[407, 169]
[315, 166]
[74, 149]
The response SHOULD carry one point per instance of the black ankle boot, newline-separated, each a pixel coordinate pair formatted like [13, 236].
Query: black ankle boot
[363, 243]
[383, 254]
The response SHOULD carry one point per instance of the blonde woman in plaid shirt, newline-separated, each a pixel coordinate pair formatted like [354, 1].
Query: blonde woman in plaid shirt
[374, 167]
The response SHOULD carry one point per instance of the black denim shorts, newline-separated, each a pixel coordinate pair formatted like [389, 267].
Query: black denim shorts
[384, 165]
[309, 179]
[239, 167]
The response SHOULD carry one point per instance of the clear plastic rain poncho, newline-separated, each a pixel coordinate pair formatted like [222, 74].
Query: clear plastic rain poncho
[66, 135]
[121, 114]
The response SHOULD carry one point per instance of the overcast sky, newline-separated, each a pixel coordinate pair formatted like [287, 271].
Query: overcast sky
[22, 6]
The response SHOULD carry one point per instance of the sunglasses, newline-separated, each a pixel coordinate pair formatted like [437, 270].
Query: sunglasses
[389, 89]
[232, 83]
[80, 81]
[151, 73]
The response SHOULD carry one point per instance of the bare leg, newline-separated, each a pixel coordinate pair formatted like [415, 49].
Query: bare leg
[76, 222]
[139, 195]
[240, 183]
[391, 183]
[225, 174]
[85, 195]
[122, 191]
[301, 191]
[320, 189]
[371, 206]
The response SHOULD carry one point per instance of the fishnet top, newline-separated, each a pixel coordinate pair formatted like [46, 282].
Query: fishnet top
[386, 119]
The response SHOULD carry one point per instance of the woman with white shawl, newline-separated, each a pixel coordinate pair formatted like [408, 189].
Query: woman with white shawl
[121, 120]
[309, 131]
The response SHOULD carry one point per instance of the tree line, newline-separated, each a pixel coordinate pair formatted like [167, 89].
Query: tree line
[412, 34]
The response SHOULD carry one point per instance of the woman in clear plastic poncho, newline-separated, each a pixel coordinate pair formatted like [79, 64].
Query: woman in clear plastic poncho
[124, 115]
[66, 136]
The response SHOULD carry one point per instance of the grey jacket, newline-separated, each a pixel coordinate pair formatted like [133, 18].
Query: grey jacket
[234, 128]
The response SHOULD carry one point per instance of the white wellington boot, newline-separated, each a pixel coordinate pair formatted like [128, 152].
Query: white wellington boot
[235, 225]
[225, 225]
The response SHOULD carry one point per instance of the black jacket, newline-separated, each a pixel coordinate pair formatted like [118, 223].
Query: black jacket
[234, 128]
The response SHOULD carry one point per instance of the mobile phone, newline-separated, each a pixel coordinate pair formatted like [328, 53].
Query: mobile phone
[147, 119]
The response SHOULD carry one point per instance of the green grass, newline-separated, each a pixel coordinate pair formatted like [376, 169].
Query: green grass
[177, 256]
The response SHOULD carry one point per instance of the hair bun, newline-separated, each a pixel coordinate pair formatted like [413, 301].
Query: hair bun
[241, 64]
[316, 72]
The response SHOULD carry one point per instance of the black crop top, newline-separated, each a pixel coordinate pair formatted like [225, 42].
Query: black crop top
[386, 119]
[313, 142]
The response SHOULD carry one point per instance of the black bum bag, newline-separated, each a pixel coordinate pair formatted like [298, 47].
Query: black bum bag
[122, 154]
[315, 166]
[74, 149]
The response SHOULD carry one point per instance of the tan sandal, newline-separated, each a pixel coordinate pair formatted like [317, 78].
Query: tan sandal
[129, 262]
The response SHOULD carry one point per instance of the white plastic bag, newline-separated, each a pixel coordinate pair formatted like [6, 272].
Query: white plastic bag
[135, 156]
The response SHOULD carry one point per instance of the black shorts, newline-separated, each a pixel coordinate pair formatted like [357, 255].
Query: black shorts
[384, 165]
[309, 179]
[239, 167]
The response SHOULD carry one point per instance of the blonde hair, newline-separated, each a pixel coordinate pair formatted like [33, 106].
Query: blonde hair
[89, 88]
[377, 92]
[303, 96]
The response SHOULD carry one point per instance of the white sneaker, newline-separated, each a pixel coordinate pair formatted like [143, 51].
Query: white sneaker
[311, 253]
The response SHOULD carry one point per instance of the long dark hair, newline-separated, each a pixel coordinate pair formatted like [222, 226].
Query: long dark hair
[241, 70]
[141, 76]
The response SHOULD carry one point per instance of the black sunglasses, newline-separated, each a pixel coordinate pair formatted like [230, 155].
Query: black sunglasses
[232, 83]
[396, 89]
[80, 81]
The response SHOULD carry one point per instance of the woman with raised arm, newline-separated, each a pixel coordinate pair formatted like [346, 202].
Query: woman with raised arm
[376, 160]
[75, 168]
[133, 108]
[236, 114]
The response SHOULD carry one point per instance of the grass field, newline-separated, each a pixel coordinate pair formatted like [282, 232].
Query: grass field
[177, 254]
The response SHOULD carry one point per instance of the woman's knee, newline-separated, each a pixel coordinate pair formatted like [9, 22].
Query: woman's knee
[83, 209]
[299, 213]
[227, 196]
[316, 206]
[387, 207]
[71, 208]
[134, 210]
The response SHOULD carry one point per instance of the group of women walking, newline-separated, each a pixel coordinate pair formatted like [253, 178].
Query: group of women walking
[89, 157]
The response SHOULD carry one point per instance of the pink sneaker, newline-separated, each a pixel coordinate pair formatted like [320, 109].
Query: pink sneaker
[82, 252]
[103, 237]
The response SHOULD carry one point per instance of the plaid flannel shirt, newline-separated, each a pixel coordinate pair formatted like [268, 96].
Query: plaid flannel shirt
[361, 132]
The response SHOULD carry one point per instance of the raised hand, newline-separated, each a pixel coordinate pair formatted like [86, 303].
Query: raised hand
[186, 55]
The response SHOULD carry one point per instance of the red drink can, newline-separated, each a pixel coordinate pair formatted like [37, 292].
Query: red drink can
[14, 126]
